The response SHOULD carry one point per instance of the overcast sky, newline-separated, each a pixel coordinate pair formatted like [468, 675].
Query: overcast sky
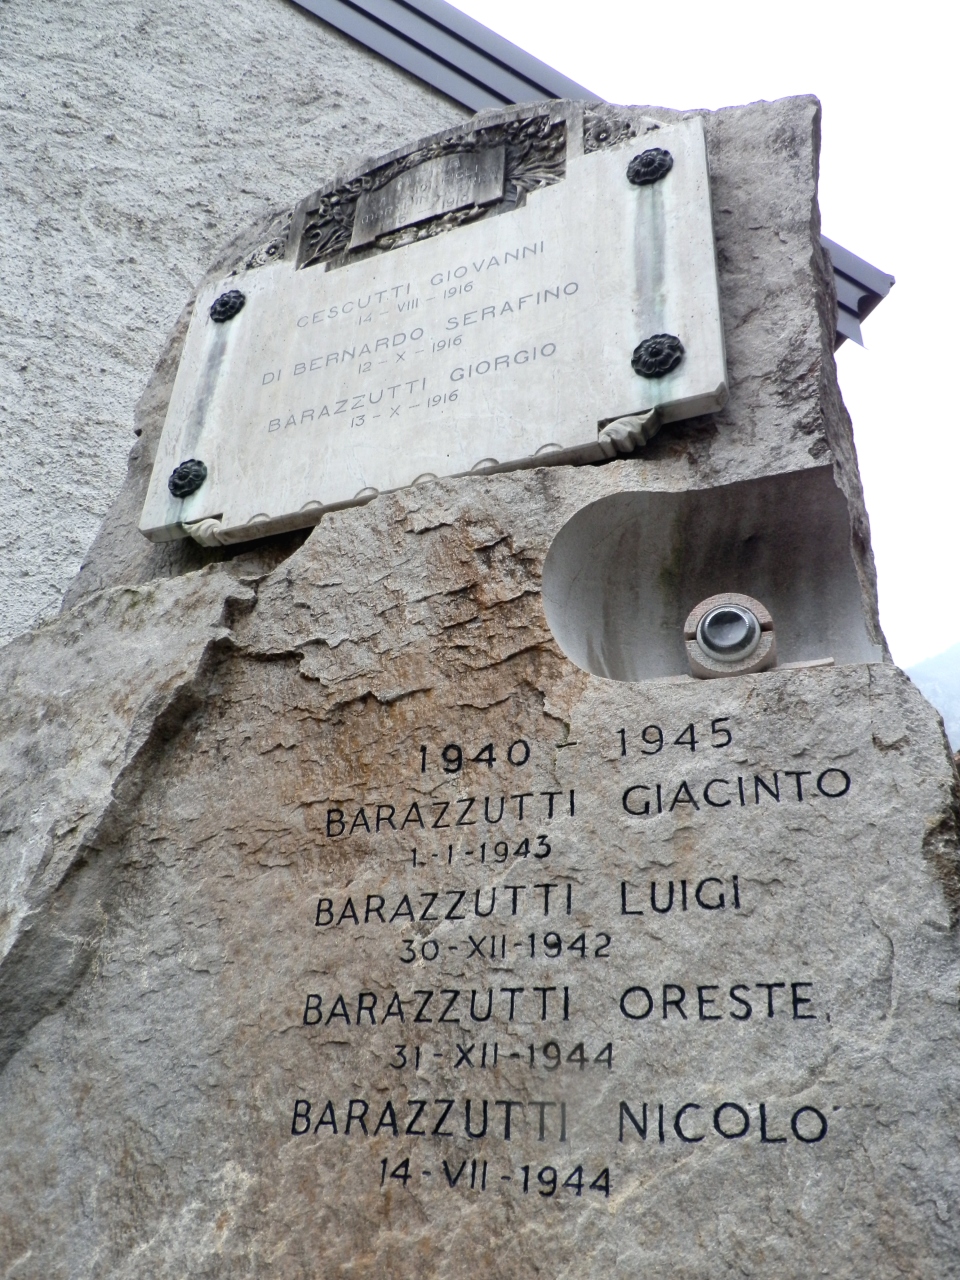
[886, 75]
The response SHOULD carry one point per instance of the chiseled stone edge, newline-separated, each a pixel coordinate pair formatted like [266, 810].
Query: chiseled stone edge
[91, 699]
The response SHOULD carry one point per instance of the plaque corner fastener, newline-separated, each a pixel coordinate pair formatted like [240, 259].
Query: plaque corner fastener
[227, 305]
[657, 355]
[649, 166]
[187, 478]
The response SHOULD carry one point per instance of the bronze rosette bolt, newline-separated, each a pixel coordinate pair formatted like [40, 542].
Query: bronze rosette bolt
[187, 478]
[657, 355]
[729, 635]
[227, 306]
[649, 167]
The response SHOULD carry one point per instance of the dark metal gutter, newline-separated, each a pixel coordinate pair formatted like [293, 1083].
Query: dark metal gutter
[439, 44]
[860, 288]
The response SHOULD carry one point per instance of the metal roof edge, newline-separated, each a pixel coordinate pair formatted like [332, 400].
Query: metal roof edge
[450, 51]
[857, 269]
[496, 46]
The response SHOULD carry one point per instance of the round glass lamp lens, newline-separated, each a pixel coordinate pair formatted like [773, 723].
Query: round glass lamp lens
[729, 633]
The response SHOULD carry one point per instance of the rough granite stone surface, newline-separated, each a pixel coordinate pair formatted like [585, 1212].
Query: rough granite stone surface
[350, 929]
[164, 955]
[138, 137]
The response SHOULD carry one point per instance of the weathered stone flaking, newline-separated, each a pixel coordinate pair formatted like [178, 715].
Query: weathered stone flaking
[186, 759]
[89, 702]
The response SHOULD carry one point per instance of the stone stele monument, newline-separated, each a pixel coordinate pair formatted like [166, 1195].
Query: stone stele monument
[465, 820]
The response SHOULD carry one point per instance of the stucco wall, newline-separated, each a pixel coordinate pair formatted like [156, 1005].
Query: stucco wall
[137, 138]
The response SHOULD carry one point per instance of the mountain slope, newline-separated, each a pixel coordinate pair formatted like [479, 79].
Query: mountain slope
[938, 679]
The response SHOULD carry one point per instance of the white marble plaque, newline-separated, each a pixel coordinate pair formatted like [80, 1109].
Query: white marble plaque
[506, 342]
